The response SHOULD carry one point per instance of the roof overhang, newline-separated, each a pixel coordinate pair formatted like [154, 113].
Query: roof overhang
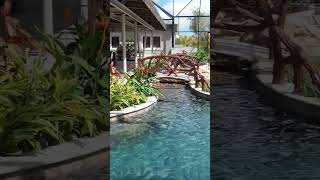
[146, 10]
[142, 11]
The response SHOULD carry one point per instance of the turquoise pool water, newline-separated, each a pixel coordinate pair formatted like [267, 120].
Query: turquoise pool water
[169, 143]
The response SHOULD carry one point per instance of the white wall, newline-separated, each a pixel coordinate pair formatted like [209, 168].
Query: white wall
[165, 41]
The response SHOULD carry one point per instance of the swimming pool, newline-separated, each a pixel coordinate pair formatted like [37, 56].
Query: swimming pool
[170, 142]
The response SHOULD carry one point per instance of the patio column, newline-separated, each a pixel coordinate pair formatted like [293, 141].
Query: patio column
[136, 44]
[139, 46]
[48, 16]
[124, 48]
[84, 9]
[144, 42]
[151, 42]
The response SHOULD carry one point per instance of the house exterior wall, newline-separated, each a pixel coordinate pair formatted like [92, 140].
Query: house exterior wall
[30, 13]
[165, 41]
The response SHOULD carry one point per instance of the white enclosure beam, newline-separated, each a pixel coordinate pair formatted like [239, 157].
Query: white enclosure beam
[48, 16]
[124, 47]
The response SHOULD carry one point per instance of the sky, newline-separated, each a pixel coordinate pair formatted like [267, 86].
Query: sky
[184, 23]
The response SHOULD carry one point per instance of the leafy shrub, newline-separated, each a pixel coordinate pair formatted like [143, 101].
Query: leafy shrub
[123, 95]
[41, 108]
[142, 83]
[86, 58]
[203, 56]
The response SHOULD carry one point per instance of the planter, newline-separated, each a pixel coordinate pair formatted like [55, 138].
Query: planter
[124, 114]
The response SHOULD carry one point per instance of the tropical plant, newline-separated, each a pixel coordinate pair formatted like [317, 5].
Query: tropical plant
[123, 94]
[142, 83]
[201, 55]
[40, 108]
[86, 58]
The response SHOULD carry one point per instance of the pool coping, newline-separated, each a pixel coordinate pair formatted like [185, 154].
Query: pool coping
[124, 114]
[279, 95]
[190, 84]
[60, 161]
[198, 92]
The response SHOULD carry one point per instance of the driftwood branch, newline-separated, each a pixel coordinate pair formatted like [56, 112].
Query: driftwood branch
[263, 12]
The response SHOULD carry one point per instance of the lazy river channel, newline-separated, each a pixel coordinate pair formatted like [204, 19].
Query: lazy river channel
[170, 142]
[252, 141]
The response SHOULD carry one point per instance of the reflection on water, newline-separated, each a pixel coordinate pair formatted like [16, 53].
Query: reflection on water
[170, 142]
[253, 141]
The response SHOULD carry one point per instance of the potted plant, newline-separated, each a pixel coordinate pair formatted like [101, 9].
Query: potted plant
[129, 53]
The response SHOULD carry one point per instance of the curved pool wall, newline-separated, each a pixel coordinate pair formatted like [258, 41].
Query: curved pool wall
[170, 142]
[253, 141]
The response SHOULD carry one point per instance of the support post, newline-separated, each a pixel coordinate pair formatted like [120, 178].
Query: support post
[139, 47]
[84, 9]
[124, 47]
[151, 42]
[173, 33]
[48, 16]
[144, 42]
[136, 44]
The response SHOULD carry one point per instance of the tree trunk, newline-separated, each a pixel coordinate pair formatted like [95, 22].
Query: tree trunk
[93, 9]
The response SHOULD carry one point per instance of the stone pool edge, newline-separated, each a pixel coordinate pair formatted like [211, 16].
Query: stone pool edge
[195, 91]
[277, 95]
[198, 92]
[124, 114]
[59, 162]
[280, 95]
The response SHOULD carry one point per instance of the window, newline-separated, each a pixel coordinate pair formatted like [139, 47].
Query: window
[115, 42]
[156, 42]
[147, 43]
